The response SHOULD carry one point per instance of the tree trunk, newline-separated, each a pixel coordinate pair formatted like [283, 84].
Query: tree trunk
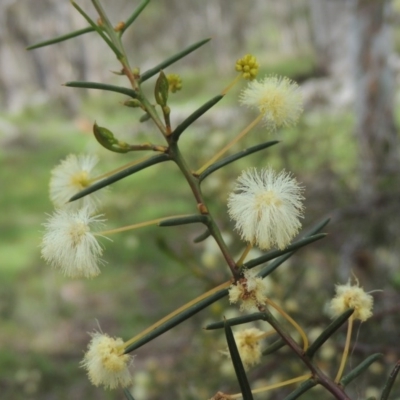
[374, 85]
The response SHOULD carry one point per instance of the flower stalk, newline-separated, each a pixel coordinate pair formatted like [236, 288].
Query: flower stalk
[291, 321]
[217, 156]
[346, 349]
[273, 386]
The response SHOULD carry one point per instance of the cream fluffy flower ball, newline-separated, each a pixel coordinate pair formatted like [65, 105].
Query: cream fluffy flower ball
[72, 175]
[69, 244]
[105, 362]
[352, 296]
[277, 98]
[249, 291]
[248, 344]
[266, 207]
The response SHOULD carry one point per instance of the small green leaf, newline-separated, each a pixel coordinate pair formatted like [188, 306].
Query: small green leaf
[106, 138]
[120, 175]
[134, 103]
[144, 118]
[102, 86]
[153, 71]
[237, 364]
[161, 90]
[190, 219]
[390, 381]
[328, 332]
[194, 116]
[359, 369]
[62, 38]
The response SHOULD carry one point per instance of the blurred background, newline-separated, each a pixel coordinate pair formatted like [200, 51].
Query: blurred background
[345, 150]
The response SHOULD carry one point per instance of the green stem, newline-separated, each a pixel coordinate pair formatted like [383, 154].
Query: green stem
[107, 25]
[194, 184]
[116, 41]
[153, 114]
[96, 28]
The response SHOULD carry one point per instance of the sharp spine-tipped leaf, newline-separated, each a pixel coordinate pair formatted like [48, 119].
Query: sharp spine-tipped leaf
[102, 86]
[190, 219]
[390, 381]
[276, 253]
[194, 116]
[235, 321]
[62, 38]
[360, 369]
[237, 364]
[153, 71]
[177, 319]
[227, 160]
[135, 14]
[328, 332]
[304, 387]
[275, 346]
[120, 175]
[315, 229]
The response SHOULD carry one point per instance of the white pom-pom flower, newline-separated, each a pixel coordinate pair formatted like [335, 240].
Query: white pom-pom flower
[277, 98]
[105, 362]
[266, 207]
[248, 344]
[72, 175]
[249, 291]
[69, 244]
[352, 296]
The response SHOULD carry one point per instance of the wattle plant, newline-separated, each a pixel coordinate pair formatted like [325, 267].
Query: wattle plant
[266, 206]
